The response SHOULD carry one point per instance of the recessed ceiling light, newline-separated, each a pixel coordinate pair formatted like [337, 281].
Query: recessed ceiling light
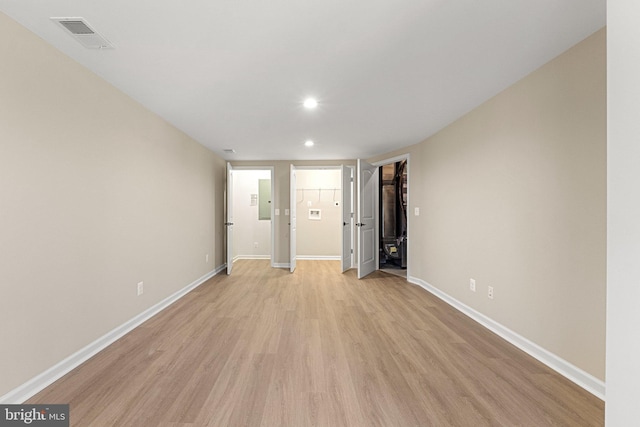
[308, 143]
[310, 103]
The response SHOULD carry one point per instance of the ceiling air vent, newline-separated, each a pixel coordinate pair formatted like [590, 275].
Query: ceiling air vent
[79, 29]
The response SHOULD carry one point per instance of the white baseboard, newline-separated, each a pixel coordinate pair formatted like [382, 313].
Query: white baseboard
[46, 378]
[237, 257]
[305, 257]
[585, 380]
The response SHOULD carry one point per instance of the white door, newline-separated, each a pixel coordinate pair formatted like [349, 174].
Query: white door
[346, 218]
[367, 215]
[292, 219]
[229, 222]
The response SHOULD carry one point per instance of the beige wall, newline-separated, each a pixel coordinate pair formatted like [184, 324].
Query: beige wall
[96, 194]
[513, 194]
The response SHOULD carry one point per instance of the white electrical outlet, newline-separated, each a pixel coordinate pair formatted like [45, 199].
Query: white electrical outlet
[490, 292]
[206, 258]
[416, 211]
[140, 288]
[255, 244]
[472, 285]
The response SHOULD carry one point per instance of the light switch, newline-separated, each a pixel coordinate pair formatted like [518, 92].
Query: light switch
[286, 212]
[277, 211]
[416, 211]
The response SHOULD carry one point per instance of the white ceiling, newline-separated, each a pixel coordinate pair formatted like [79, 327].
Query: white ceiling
[387, 74]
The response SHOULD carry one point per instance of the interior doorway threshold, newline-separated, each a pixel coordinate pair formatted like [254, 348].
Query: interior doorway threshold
[401, 272]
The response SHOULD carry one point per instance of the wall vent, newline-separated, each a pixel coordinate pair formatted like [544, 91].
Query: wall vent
[79, 29]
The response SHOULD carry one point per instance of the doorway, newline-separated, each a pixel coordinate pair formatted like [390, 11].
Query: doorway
[251, 197]
[392, 242]
[318, 204]
[322, 203]
[377, 248]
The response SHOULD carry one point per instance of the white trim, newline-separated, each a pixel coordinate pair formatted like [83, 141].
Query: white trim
[399, 158]
[46, 378]
[272, 238]
[585, 380]
[281, 265]
[394, 159]
[311, 167]
[319, 257]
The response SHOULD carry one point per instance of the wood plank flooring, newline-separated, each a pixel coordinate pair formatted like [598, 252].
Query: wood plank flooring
[264, 347]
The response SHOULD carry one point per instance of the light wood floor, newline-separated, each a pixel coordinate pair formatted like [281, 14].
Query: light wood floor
[264, 347]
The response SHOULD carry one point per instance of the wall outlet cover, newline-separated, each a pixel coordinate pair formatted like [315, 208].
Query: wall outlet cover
[315, 214]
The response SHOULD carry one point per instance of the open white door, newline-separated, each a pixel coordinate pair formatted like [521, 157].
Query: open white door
[346, 218]
[367, 208]
[229, 222]
[292, 219]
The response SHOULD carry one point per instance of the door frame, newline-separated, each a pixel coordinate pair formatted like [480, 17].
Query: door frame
[352, 169]
[228, 217]
[387, 161]
[293, 219]
[271, 169]
[351, 215]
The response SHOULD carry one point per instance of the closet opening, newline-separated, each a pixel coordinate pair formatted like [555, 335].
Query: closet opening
[253, 210]
[392, 245]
